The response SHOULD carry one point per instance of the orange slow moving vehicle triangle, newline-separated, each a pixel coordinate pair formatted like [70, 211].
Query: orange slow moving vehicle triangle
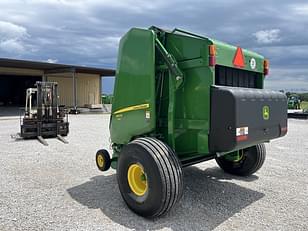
[238, 59]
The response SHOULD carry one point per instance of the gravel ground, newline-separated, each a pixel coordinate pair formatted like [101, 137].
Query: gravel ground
[58, 187]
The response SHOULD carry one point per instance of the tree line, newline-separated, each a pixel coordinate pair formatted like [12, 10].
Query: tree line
[302, 96]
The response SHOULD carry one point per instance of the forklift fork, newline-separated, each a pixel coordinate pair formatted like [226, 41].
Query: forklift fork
[42, 140]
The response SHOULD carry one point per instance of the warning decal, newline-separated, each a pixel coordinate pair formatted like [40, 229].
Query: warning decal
[239, 60]
[241, 133]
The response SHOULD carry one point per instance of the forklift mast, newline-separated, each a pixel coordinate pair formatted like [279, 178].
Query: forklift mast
[47, 100]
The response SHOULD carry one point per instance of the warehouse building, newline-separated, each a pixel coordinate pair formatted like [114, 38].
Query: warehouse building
[79, 86]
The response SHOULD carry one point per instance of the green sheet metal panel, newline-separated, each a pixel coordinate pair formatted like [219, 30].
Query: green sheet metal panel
[225, 54]
[133, 108]
[192, 111]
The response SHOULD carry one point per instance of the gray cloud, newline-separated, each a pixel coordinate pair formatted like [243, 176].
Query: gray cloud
[289, 79]
[87, 32]
[267, 36]
[12, 38]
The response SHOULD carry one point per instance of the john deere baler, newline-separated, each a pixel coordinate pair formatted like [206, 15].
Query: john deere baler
[180, 99]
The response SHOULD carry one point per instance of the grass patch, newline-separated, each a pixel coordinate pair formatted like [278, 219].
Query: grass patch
[304, 105]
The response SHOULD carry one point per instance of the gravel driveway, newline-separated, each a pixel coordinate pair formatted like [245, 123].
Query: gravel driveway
[58, 187]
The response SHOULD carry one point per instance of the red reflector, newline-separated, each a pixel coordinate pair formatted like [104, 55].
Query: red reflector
[212, 50]
[212, 61]
[284, 129]
[266, 67]
[241, 138]
[238, 59]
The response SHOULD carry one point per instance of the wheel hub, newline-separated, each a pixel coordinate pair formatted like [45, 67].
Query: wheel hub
[100, 161]
[137, 180]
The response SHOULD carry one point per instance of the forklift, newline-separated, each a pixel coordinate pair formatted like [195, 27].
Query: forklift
[43, 117]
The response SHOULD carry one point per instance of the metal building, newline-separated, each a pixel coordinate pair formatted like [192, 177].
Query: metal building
[79, 86]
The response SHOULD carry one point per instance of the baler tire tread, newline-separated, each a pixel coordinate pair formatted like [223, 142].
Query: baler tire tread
[179, 170]
[174, 172]
[171, 168]
[262, 156]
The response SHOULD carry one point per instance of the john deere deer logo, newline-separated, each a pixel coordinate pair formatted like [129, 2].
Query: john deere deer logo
[266, 112]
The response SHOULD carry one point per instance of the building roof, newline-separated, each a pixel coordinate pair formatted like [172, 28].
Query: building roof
[54, 67]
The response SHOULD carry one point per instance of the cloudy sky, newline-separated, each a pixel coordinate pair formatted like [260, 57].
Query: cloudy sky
[87, 32]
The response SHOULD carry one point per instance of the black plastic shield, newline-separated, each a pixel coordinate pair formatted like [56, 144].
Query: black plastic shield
[242, 117]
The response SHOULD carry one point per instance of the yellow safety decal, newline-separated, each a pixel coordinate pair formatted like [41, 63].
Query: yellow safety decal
[132, 108]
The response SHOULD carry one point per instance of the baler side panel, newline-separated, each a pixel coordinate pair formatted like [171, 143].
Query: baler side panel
[192, 110]
[133, 108]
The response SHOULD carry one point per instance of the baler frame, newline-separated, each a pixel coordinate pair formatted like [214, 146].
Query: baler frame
[168, 123]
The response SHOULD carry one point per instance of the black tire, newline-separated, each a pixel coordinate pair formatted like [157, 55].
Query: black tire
[251, 161]
[104, 155]
[163, 173]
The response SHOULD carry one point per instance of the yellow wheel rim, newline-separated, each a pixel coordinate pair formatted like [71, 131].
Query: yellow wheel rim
[100, 161]
[137, 180]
